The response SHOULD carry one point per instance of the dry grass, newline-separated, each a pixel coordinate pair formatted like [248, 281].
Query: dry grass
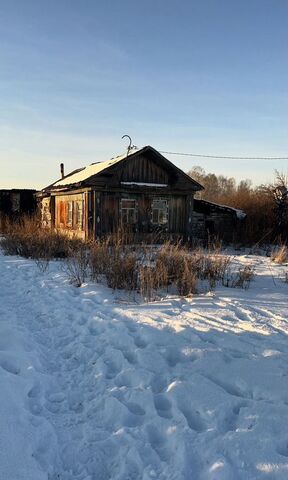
[239, 279]
[77, 264]
[122, 271]
[186, 281]
[148, 271]
[280, 255]
[28, 239]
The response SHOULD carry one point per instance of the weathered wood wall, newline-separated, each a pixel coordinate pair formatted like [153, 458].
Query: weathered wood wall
[109, 214]
[221, 225]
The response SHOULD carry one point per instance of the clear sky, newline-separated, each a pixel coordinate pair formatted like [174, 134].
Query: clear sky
[205, 76]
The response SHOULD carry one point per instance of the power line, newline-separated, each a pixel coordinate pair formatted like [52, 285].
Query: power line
[229, 157]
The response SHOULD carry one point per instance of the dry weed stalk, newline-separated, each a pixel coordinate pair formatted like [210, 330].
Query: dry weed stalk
[280, 255]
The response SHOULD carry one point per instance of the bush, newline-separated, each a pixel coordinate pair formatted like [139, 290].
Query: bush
[77, 264]
[29, 239]
[121, 270]
[239, 279]
[99, 259]
[186, 281]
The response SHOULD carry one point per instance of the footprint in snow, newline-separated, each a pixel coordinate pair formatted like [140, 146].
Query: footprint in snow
[130, 356]
[229, 420]
[56, 397]
[236, 390]
[128, 378]
[193, 419]
[159, 384]
[112, 369]
[135, 408]
[163, 406]
[158, 442]
[34, 400]
[173, 356]
[10, 366]
[140, 342]
[282, 448]
[131, 327]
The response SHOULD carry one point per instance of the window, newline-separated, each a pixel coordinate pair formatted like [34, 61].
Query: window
[128, 211]
[61, 212]
[159, 212]
[79, 213]
[69, 213]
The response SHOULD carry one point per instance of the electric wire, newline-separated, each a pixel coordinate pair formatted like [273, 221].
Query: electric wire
[228, 157]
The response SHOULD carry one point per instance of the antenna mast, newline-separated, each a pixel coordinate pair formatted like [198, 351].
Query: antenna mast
[130, 143]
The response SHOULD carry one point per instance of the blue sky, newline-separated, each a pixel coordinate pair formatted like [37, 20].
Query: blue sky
[206, 76]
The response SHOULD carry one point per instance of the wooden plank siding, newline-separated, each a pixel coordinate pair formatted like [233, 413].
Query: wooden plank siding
[110, 213]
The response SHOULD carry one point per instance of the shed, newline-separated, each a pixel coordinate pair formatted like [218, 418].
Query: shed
[216, 221]
[14, 203]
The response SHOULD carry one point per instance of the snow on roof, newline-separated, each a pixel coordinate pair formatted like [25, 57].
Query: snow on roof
[87, 172]
[239, 213]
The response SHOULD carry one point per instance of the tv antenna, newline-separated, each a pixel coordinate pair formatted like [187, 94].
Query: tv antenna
[130, 143]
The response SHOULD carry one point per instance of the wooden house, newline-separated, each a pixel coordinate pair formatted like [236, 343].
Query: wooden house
[140, 191]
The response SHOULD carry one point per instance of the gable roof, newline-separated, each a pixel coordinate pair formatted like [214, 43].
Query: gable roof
[82, 175]
[86, 172]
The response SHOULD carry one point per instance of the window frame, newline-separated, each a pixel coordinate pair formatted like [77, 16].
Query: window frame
[79, 208]
[125, 210]
[165, 211]
[70, 210]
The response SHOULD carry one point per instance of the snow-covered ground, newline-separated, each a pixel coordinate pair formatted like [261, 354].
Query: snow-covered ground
[96, 388]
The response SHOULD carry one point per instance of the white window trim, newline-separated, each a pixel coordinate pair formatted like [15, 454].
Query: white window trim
[125, 208]
[164, 200]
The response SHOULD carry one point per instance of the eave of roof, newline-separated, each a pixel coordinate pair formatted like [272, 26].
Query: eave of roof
[239, 213]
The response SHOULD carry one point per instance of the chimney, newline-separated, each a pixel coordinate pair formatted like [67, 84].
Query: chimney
[62, 169]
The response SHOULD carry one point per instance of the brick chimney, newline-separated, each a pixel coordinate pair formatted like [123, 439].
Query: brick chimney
[62, 169]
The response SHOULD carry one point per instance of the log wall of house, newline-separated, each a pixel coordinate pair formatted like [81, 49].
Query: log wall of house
[108, 213]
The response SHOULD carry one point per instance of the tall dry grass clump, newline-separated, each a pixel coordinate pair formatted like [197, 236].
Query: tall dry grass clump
[122, 271]
[280, 254]
[174, 267]
[29, 239]
[99, 258]
[115, 260]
